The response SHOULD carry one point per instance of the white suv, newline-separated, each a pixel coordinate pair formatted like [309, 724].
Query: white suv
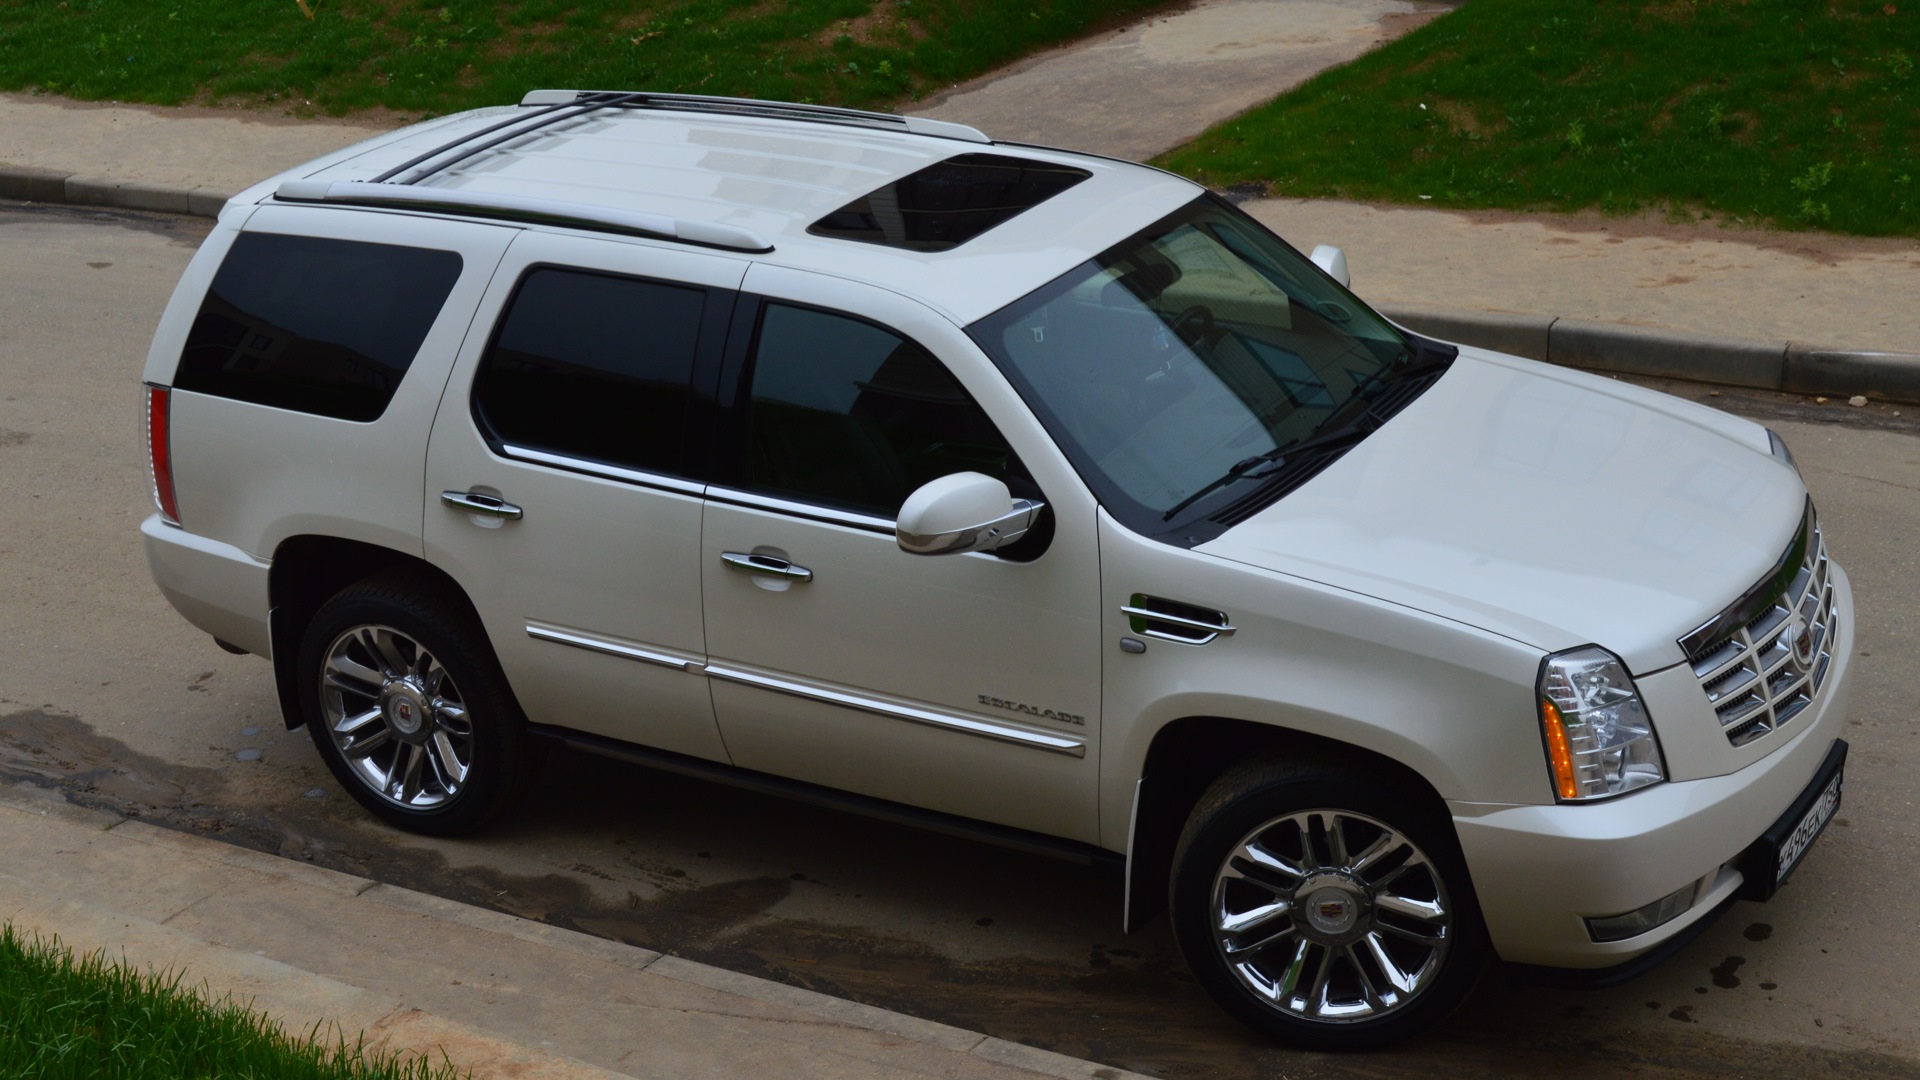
[1026, 492]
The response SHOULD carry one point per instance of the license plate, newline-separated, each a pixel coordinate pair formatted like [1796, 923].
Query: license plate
[1804, 834]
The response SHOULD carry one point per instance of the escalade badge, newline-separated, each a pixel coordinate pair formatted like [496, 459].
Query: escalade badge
[1044, 714]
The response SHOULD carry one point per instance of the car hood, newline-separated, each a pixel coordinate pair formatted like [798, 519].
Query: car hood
[1550, 506]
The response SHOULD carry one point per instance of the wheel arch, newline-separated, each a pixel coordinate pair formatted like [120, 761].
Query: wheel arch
[306, 572]
[1187, 755]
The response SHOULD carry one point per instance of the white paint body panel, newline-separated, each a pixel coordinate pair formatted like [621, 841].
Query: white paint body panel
[1400, 602]
[253, 476]
[776, 178]
[603, 558]
[1539, 507]
[935, 632]
[1539, 869]
[215, 586]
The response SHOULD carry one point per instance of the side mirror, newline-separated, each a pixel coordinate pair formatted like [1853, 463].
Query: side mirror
[967, 511]
[1334, 262]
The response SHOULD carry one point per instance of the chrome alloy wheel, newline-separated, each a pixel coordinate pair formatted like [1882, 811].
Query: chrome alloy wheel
[1331, 916]
[396, 717]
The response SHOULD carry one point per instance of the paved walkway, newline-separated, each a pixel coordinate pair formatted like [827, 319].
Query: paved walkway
[1834, 292]
[502, 996]
[1146, 89]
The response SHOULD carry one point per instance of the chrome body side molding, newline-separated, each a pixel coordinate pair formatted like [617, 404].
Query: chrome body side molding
[950, 721]
[594, 643]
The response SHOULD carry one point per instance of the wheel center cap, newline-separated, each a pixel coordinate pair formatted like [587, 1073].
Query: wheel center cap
[403, 702]
[1333, 908]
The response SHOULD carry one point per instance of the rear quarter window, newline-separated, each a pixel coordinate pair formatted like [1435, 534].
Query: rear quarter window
[315, 325]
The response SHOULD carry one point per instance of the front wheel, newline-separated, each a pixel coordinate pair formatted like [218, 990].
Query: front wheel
[409, 709]
[1324, 907]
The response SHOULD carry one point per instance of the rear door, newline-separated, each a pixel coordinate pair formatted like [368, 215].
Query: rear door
[562, 481]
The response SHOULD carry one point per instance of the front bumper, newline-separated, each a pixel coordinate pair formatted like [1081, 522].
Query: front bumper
[1541, 871]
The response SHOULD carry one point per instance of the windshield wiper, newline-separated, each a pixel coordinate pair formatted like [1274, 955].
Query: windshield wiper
[1275, 461]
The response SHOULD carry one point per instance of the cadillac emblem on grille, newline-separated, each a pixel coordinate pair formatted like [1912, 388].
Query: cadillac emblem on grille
[1763, 659]
[1799, 636]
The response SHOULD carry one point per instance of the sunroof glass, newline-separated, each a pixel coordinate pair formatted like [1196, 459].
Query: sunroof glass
[945, 205]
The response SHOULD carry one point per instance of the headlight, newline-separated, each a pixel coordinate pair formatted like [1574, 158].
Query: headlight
[1779, 447]
[1599, 740]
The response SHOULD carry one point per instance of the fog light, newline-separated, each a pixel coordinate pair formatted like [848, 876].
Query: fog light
[1637, 922]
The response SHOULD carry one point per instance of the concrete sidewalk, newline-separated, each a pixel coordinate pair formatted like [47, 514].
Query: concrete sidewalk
[501, 996]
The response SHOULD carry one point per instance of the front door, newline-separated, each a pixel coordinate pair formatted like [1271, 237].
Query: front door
[961, 683]
[561, 482]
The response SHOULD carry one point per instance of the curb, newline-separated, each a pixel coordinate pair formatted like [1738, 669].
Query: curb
[29, 184]
[343, 886]
[1787, 367]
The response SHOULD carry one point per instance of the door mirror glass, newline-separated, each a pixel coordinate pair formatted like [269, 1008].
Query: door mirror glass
[966, 511]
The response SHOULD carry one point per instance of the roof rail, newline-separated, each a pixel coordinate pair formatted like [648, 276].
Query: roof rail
[779, 110]
[711, 234]
[555, 113]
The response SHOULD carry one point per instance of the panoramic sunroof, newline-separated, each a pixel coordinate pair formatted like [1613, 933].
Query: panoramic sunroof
[945, 205]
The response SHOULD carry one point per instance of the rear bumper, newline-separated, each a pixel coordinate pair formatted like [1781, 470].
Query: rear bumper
[1541, 871]
[217, 587]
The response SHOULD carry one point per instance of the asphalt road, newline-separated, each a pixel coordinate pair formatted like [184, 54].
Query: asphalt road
[108, 694]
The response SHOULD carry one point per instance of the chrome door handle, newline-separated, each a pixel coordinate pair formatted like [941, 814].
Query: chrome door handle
[767, 565]
[484, 505]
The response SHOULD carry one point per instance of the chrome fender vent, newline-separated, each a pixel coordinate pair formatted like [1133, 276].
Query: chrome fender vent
[1171, 620]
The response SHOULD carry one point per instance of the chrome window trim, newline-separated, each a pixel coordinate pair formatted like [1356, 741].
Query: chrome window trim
[601, 469]
[594, 643]
[813, 511]
[949, 721]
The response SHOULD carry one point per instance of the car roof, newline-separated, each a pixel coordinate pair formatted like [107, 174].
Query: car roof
[761, 170]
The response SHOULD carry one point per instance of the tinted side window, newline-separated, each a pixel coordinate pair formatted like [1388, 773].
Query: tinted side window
[846, 414]
[313, 325]
[594, 366]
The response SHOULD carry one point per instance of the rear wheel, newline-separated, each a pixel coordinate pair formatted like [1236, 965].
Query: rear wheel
[409, 708]
[1322, 906]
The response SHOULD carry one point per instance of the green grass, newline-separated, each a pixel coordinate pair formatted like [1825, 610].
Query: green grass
[85, 1018]
[443, 55]
[1799, 113]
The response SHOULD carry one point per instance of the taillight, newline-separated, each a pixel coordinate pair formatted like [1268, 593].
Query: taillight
[160, 453]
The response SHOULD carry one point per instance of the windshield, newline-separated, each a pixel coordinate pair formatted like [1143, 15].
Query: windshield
[1189, 357]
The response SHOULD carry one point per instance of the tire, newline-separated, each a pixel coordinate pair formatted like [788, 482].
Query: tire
[407, 705]
[1324, 906]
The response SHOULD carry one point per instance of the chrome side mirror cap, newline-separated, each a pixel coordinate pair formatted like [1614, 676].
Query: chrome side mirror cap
[963, 512]
[1334, 262]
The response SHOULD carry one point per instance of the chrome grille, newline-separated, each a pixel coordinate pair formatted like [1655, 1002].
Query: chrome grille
[1745, 658]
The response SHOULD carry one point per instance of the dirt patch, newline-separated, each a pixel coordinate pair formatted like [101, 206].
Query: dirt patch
[1465, 121]
[178, 228]
[47, 749]
[884, 25]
